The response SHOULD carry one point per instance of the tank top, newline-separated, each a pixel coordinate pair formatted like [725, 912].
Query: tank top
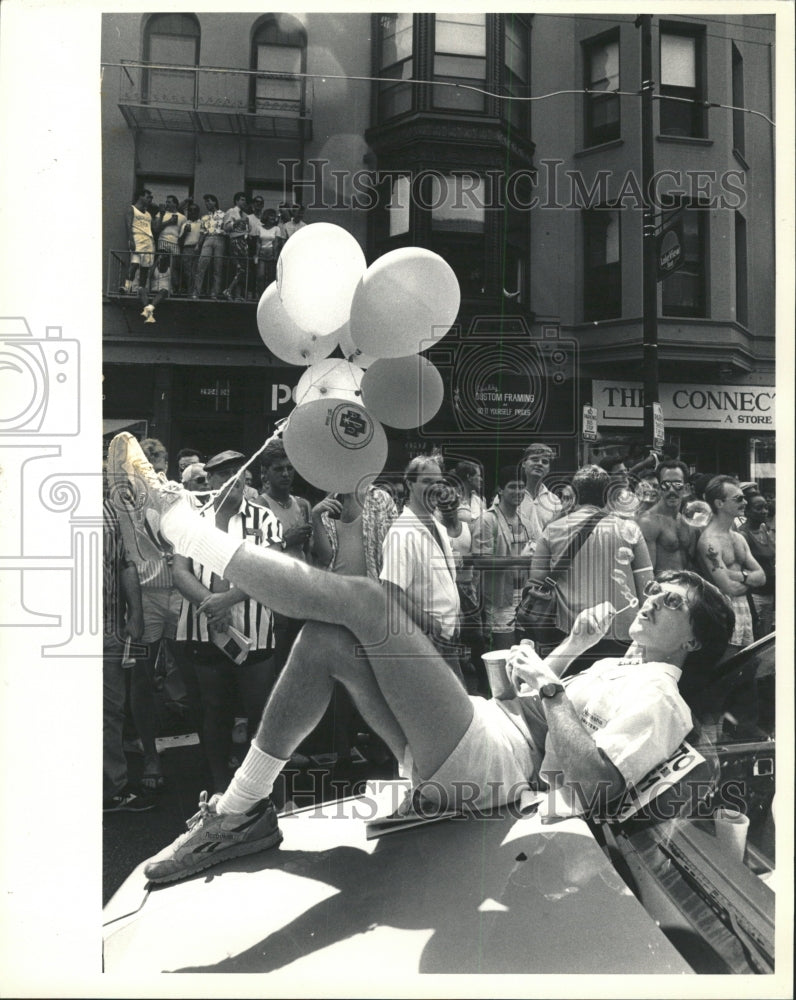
[142, 223]
[291, 516]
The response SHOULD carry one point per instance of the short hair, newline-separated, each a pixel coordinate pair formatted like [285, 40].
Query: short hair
[590, 484]
[150, 446]
[174, 198]
[711, 614]
[715, 489]
[274, 451]
[509, 474]
[698, 482]
[610, 462]
[464, 469]
[532, 449]
[142, 192]
[413, 469]
[183, 452]
[210, 197]
[239, 194]
[672, 463]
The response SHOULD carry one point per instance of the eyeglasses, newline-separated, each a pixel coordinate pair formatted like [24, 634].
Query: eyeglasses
[669, 485]
[739, 498]
[671, 599]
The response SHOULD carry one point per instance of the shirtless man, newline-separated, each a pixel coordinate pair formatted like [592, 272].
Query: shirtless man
[671, 543]
[725, 558]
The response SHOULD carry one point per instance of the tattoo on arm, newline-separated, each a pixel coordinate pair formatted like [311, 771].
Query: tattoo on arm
[712, 558]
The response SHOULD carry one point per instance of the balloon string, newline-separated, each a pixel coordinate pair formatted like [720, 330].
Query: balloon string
[279, 429]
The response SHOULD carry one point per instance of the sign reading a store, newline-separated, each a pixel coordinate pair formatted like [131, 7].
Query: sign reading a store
[714, 407]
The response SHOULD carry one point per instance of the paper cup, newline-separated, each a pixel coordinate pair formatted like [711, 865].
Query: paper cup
[731, 828]
[499, 684]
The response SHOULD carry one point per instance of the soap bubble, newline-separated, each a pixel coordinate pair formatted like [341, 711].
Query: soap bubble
[696, 513]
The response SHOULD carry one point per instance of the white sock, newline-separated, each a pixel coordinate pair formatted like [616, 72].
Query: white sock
[253, 781]
[198, 538]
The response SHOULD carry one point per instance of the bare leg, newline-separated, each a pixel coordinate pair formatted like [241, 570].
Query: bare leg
[431, 708]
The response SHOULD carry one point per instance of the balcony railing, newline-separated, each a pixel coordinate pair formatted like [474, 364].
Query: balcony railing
[184, 278]
[217, 101]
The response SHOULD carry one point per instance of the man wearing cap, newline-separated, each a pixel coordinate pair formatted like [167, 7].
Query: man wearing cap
[539, 506]
[194, 478]
[210, 607]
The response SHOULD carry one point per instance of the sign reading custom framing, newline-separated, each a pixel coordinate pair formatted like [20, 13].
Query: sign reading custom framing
[713, 407]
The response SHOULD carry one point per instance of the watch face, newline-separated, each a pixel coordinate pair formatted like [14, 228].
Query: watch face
[550, 690]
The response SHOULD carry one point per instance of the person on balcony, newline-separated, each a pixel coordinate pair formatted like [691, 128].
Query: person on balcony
[236, 226]
[167, 226]
[189, 247]
[266, 254]
[140, 243]
[212, 245]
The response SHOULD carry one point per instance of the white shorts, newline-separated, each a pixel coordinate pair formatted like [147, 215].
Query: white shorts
[491, 765]
[144, 253]
[742, 634]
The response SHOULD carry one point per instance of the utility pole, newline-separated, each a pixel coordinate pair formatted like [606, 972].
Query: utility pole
[649, 240]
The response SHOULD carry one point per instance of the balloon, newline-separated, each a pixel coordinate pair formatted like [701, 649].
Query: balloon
[406, 301]
[350, 350]
[317, 273]
[283, 338]
[329, 379]
[335, 445]
[696, 513]
[403, 392]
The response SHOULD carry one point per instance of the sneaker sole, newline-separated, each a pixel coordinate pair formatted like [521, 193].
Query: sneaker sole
[128, 809]
[210, 861]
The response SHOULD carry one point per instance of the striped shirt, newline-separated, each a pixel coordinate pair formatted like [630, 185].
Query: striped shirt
[113, 562]
[256, 526]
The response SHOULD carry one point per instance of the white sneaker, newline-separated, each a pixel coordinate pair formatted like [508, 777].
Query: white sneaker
[150, 318]
[140, 497]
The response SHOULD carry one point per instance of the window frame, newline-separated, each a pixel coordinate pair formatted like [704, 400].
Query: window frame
[738, 119]
[148, 75]
[436, 92]
[263, 25]
[692, 210]
[517, 115]
[392, 84]
[698, 93]
[740, 235]
[591, 134]
[597, 278]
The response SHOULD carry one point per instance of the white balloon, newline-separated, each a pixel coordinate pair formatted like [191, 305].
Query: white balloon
[350, 350]
[406, 301]
[403, 392]
[317, 273]
[335, 445]
[333, 378]
[284, 338]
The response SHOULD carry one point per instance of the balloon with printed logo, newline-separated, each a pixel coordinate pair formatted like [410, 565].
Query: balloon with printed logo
[350, 350]
[335, 445]
[333, 378]
[406, 301]
[286, 339]
[317, 273]
[403, 392]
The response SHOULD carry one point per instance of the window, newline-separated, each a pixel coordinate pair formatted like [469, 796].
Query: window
[161, 187]
[685, 290]
[395, 63]
[741, 294]
[738, 134]
[601, 66]
[517, 72]
[278, 46]
[681, 82]
[171, 39]
[602, 266]
[457, 203]
[460, 57]
[398, 208]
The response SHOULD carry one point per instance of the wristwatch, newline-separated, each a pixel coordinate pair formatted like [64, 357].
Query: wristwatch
[550, 690]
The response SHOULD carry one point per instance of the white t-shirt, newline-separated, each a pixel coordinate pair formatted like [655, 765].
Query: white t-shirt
[426, 572]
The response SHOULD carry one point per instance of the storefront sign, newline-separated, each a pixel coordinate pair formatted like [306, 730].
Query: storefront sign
[589, 423]
[713, 407]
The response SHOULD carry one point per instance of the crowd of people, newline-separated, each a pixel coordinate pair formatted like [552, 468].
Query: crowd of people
[264, 599]
[178, 249]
